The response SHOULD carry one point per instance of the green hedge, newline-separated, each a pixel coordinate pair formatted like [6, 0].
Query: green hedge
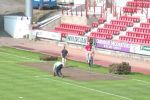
[120, 68]
[48, 58]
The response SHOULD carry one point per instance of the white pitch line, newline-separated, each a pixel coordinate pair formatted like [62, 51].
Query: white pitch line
[16, 61]
[7, 61]
[141, 81]
[20, 97]
[91, 89]
[97, 91]
[18, 56]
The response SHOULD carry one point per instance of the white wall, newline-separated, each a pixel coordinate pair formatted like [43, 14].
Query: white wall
[79, 2]
[46, 34]
[121, 3]
[17, 26]
[9, 24]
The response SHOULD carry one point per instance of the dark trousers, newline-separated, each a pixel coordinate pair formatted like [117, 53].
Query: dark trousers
[91, 62]
[58, 70]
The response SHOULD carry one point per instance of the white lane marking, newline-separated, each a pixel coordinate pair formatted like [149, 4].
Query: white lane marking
[91, 89]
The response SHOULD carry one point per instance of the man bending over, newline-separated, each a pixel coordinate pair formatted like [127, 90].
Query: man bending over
[57, 69]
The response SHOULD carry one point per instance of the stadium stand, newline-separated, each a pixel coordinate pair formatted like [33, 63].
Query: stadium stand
[128, 26]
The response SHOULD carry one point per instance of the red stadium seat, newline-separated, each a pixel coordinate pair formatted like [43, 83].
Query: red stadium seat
[108, 31]
[138, 35]
[130, 18]
[145, 25]
[95, 24]
[70, 31]
[141, 29]
[140, 3]
[101, 20]
[75, 26]
[134, 40]
[130, 9]
[143, 0]
[122, 22]
[111, 26]
[148, 20]
[101, 35]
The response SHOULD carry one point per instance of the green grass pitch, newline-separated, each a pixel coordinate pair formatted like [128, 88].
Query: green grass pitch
[18, 82]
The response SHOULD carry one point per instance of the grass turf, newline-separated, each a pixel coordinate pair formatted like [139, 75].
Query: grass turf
[24, 83]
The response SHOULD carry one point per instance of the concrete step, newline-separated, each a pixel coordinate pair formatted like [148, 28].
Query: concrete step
[4, 34]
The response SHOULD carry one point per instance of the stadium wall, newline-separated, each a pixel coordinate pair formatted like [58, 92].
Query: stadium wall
[74, 19]
[123, 55]
[17, 26]
[81, 20]
[114, 48]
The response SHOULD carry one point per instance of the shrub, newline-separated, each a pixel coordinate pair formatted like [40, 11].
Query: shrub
[48, 58]
[122, 68]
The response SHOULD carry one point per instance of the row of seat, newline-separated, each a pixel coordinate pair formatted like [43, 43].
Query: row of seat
[75, 26]
[101, 35]
[63, 34]
[145, 25]
[108, 31]
[138, 35]
[122, 22]
[134, 40]
[138, 4]
[70, 31]
[95, 24]
[115, 26]
[143, 0]
[148, 20]
[101, 20]
[130, 9]
[141, 29]
[129, 18]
